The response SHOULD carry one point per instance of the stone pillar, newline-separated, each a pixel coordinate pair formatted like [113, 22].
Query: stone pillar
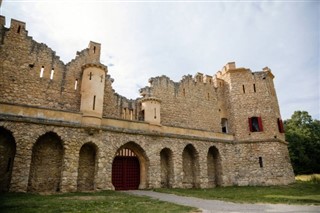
[203, 168]
[21, 164]
[103, 178]
[69, 174]
[178, 170]
[154, 170]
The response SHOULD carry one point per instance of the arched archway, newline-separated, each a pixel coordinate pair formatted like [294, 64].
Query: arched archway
[46, 164]
[214, 167]
[129, 167]
[166, 168]
[190, 164]
[86, 169]
[7, 154]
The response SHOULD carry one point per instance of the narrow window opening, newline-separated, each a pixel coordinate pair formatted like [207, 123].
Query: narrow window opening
[90, 75]
[19, 29]
[94, 103]
[94, 49]
[41, 71]
[254, 87]
[131, 114]
[208, 96]
[243, 89]
[101, 78]
[224, 125]
[76, 84]
[124, 113]
[155, 113]
[9, 165]
[260, 162]
[51, 75]
[184, 92]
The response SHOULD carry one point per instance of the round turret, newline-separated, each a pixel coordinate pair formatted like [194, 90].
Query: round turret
[92, 93]
[150, 110]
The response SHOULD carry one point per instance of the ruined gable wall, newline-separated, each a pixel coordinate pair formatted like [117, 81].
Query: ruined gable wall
[21, 62]
[20, 65]
[190, 103]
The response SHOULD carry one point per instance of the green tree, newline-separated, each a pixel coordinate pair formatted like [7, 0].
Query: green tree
[303, 135]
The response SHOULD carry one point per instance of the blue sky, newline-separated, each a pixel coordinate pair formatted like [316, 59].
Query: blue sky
[144, 39]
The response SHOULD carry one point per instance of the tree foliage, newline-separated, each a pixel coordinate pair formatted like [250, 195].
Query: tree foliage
[303, 135]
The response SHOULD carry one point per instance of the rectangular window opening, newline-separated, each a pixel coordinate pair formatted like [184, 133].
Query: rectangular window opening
[184, 92]
[260, 162]
[41, 71]
[51, 74]
[19, 29]
[90, 75]
[155, 113]
[94, 103]
[243, 89]
[255, 124]
[254, 87]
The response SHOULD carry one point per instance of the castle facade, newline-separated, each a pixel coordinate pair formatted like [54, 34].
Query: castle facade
[63, 128]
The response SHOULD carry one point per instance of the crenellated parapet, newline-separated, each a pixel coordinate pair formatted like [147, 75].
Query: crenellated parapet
[221, 103]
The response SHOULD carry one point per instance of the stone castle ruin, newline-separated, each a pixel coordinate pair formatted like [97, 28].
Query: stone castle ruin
[63, 128]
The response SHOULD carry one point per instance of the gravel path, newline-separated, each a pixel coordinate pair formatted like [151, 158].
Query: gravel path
[217, 206]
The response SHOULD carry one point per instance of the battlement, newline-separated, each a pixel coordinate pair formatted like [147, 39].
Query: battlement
[201, 101]
[197, 79]
[18, 27]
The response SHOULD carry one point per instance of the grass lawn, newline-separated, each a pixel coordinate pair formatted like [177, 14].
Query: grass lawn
[306, 193]
[302, 192]
[106, 201]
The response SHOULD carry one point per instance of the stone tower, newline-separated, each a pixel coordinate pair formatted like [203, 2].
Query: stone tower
[250, 105]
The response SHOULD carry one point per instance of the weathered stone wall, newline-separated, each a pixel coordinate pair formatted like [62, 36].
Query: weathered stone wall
[87, 164]
[21, 62]
[46, 164]
[40, 115]
[167, 173]
[191, 103]
[214, 167]
[239, 161]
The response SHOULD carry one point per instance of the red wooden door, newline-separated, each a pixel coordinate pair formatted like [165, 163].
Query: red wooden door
[126, 173]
